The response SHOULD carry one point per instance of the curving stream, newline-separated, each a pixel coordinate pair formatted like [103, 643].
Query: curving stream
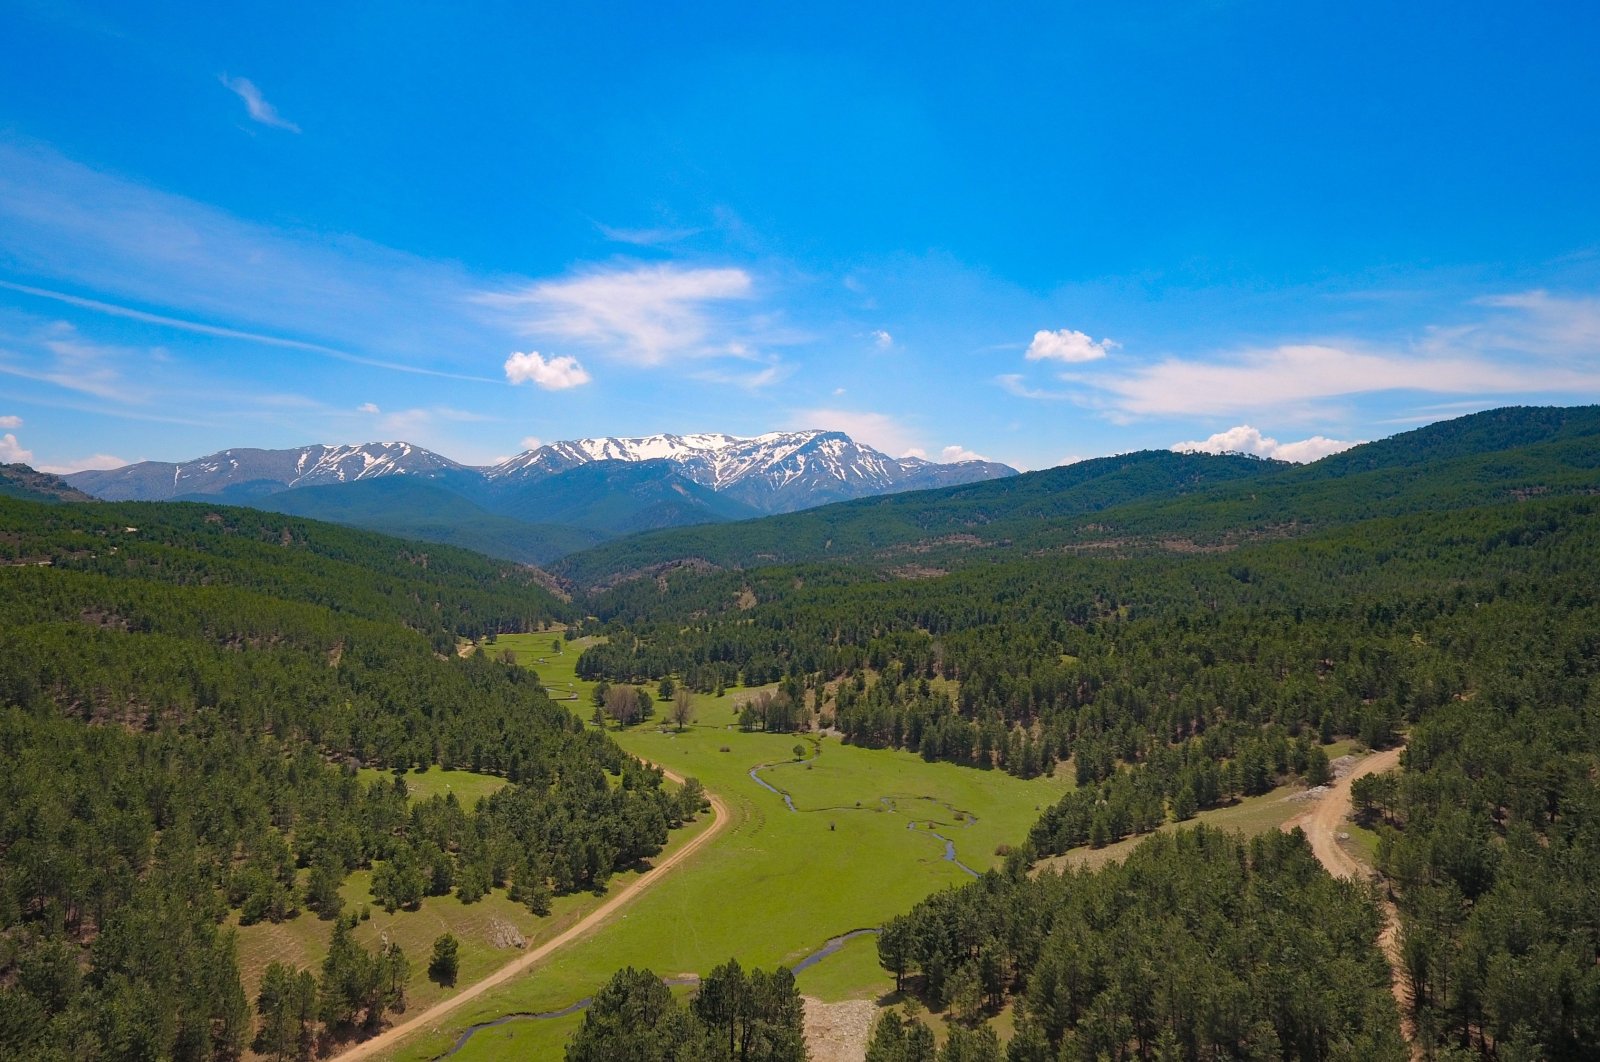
[966, 818]
[830, 947]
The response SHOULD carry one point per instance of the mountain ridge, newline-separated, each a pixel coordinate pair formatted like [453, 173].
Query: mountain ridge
[772, 472]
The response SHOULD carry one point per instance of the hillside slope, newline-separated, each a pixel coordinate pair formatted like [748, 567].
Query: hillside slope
[1185, 501]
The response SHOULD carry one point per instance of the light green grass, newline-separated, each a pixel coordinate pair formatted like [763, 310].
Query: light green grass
[852, 972]
[1249, 816]
[1362, 843]
[424, 785]
[777, 884]
[303, 941]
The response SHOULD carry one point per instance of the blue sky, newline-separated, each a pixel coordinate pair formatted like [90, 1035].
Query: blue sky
[1032, 234]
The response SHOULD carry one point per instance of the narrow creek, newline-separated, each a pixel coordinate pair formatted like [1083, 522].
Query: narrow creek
[966, 819]
[831, 947]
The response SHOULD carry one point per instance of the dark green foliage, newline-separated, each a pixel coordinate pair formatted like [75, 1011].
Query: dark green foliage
[29, 484]
[635, 1017]
[620, 498]
[1222, 948]
[416, 508]
[898, 1039]
[287, 1004]
[991, 510]
[1153, 499]
[734, 1017]
[445, 962]
[181, 711]
[440, 591]
[1491, 837]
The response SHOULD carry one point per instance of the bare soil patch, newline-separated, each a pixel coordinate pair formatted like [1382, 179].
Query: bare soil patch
[838, 1032]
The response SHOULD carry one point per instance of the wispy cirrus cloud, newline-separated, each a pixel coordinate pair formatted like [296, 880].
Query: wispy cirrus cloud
[1530, 343]
[1243, 439]
[1015, 383]
[10, 422]
[642, 315]
[881, 431]
[83, 464]
[55, 353]
[259, 109]
[646, 237]
[120, 248]
[1298, 374]
[1535, 322]
[949, 455]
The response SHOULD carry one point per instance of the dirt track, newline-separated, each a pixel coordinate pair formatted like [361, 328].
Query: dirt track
[1322, 823]
[391, 1037]
[1323, 820]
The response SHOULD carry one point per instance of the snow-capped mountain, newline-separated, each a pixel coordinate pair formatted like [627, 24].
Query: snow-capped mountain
[772, 473]
[245, 472]
[776, 472]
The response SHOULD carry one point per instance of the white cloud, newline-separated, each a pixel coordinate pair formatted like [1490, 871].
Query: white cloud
[647, 315]
[1285, 375]
[555, 374]
[645, 237]
[83, 464]
[1013, 383]
[11, 451]
[750, 381]
[177, 263]
[1540, 323]
[878, 430]
[60, 356]
[10, 422]
[1067, 345]
[531, 442]
[951, 454]
[260, 110]
[1244, 439]
[368, 407]
[882, 340]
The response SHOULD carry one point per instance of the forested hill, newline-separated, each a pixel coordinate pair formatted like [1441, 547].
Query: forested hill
[968, 515]
[21, 481]
[1152, 498]
[186, 693]
[442, 591]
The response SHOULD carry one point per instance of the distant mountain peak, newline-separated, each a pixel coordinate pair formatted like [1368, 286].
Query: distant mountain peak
[778, 471]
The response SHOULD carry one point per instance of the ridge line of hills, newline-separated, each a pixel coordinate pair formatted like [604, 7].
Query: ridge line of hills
[1439, 583]
[1148, 498]
[546, 502]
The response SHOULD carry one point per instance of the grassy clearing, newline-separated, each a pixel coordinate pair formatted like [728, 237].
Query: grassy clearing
[1251, 815]
[850, 973]
[1362, 843]
[303, 941]
[777, 884]
[424, 785]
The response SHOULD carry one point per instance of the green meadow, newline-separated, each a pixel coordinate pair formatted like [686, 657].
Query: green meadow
[424, 785]
[864, 843]
[303, 940]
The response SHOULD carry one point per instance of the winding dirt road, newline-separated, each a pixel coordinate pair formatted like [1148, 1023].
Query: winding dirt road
[1322, 823]
[1323, 820]
[391, 1037]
